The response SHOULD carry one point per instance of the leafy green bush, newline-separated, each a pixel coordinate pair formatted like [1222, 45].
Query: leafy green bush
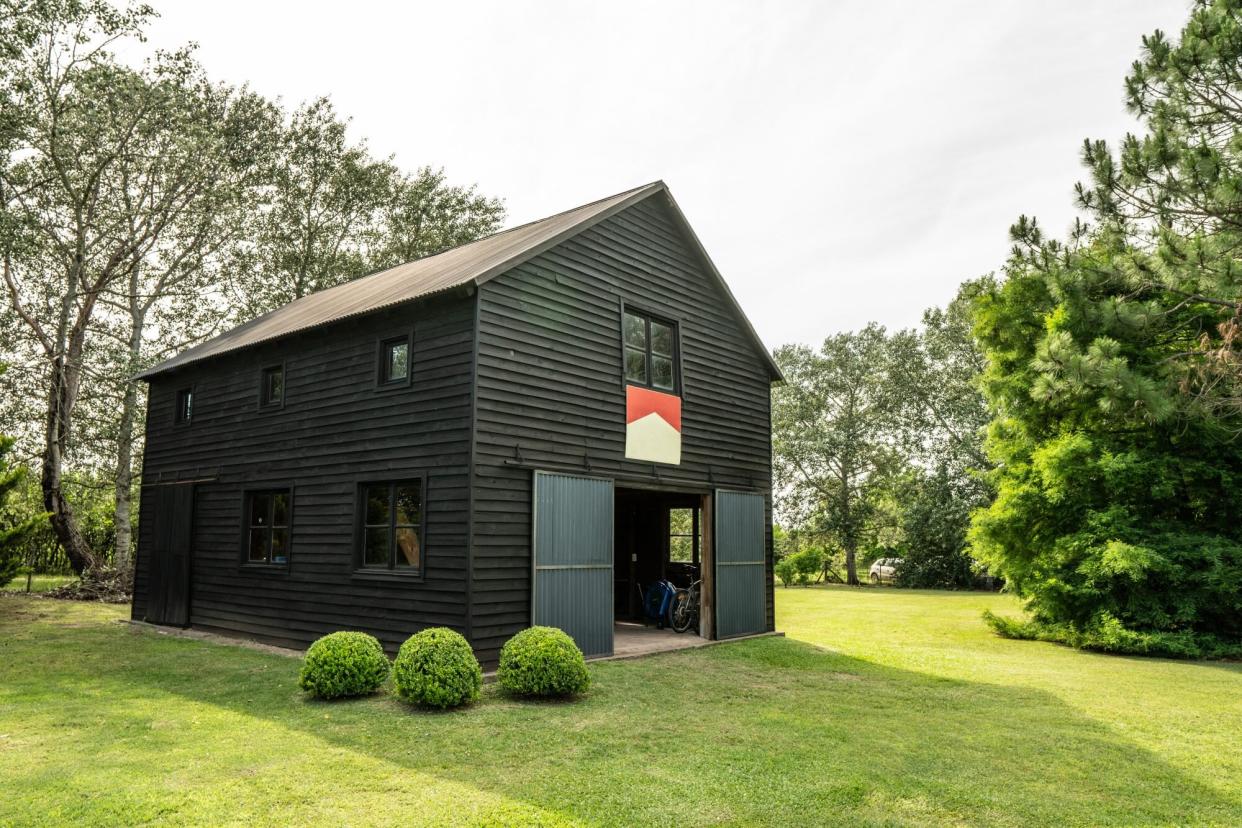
[343, 664]
[437, 668]
[800, 567]
[786, 571]
[542, 661]
[1107, 634]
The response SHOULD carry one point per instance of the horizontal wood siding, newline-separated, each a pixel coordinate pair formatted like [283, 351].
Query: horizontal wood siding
[334, 430]
[550, 391]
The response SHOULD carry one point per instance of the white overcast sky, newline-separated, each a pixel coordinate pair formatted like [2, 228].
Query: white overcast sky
[841, 161]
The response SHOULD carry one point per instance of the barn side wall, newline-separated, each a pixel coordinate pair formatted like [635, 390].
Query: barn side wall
[334, 430]
[550, 392]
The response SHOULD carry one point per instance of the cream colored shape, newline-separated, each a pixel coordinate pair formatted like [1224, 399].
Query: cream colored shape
[652, 438]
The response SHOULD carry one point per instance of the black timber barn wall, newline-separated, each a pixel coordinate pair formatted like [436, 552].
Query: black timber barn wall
[334, 430]
[549, 389]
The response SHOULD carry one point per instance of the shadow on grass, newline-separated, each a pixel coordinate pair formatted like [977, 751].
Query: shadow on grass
[770, 731]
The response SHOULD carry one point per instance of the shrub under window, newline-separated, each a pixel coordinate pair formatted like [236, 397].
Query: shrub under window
[344, 664]
[437, 668]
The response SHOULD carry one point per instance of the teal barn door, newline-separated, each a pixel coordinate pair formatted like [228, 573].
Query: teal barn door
[741, 574]
[573, 564]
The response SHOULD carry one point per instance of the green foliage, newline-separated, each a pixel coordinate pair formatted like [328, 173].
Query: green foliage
[436, 668]
[343, 664]
[1105, 633]
[832, 420]
[786, 570]
[800, 567]
[935, 521]
[14, 535]
[860, 420]
[543, 662]
[1119, 475]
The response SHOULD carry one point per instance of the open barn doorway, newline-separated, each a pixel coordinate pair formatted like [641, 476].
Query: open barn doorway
[659, 536]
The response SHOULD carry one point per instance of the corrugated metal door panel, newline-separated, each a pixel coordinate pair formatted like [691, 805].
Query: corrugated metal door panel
[740, 587]
[573, 536]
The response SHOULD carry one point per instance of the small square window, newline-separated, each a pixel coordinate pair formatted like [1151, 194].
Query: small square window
[272, 390]
[185, 405]
[649, 348]
[395, 361]
[268, 520]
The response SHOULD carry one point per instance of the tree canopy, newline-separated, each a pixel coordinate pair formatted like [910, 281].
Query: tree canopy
[1111, 373]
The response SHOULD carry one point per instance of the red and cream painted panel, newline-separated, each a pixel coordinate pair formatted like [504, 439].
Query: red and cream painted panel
[652, 426]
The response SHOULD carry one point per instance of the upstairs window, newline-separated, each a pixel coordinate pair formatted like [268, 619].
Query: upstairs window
[185, 405]
[392, 522]
[394, 368]
[272, 389]
[267, 526]
[650, 346]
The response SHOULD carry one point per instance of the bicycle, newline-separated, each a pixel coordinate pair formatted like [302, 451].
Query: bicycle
[685, 609]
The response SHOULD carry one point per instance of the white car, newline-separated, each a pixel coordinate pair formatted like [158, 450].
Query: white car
[884, 570]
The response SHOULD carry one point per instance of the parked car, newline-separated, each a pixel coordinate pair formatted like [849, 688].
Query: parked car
[884, 570]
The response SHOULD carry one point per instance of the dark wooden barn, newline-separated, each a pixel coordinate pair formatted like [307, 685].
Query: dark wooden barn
[522, 430]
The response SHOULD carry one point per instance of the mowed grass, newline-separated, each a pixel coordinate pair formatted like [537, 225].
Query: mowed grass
[39, 583]
[882, 707]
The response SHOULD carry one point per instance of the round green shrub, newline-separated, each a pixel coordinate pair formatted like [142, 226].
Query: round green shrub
[542, 661]
[343, 664]
[437, 668]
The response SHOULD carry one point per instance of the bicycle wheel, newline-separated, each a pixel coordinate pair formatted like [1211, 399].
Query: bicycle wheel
[682, 615]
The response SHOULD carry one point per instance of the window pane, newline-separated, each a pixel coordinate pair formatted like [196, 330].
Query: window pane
[375, 551]
[681, 521]
[274, 385]
[681, 549]
[280, 509]
[377, 505]
[662, 372]
[408, 505]
[661, 339]
[397, 361]
[260, 509]
[635, 366]
[280, 546]
[635, 331]
[259, 545]
[407, 547]
[185, 405]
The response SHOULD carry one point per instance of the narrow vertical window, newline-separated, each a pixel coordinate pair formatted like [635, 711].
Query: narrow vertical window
[394, 361]
[392, 519]
[267, 527]
[185, 405]
[649, 347]
[683, 535]
[272, 389]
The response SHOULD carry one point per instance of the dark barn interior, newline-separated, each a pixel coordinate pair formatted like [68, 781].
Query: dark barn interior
[658, 536]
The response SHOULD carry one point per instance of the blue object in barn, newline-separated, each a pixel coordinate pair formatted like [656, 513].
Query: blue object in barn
[658, 602]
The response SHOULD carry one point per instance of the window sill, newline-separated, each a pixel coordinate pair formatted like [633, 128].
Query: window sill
[388, 575]
[265, 568]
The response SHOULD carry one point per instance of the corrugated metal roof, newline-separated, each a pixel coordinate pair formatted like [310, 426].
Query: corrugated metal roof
[471, 263]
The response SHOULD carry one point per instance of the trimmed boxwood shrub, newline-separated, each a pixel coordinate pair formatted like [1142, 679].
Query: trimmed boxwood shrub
[343, 664]
[542, 661]
[437, 668]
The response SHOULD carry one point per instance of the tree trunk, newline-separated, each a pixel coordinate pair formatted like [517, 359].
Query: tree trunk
[66, 373]
[122, 505]
[851, 563]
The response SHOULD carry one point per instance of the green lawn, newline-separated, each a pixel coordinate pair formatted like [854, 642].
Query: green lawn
[882, 707]
[39, 583]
